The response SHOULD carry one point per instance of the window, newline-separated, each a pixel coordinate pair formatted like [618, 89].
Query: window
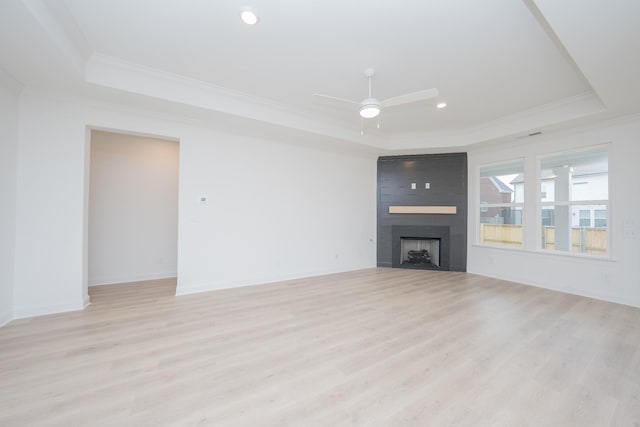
[548, 217]
[577, 190]
[585, 217]
[600, 218]
[501, 203]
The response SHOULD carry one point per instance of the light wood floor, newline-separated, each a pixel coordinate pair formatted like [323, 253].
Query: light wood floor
[378, 347]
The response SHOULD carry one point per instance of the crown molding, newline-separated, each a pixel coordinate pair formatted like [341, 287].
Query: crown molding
[125, 76]
[165, 112]
[521, 123]
[7, 80]
[56, 20]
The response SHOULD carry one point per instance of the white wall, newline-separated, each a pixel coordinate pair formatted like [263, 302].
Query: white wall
[49, 258]
[616, 279]
[275, 212]
[267, 199]
[9, 104]
[133, 208]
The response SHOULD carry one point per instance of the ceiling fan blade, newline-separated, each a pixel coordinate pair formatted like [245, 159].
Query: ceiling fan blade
[408, 98]
[344, 103]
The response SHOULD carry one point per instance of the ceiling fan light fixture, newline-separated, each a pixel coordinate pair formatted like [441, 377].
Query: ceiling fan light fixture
[249, 16]
[369, 108]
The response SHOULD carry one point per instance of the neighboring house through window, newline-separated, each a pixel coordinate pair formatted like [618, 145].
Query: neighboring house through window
[501, 204]
[580, 182]
[573, 209]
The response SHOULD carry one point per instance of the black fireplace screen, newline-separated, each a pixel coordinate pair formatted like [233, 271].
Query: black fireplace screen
[419, 251]
[433, 239]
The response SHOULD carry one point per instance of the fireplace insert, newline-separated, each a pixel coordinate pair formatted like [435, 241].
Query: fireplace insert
[418, 257]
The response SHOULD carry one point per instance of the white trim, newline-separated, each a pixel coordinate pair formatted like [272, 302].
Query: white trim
[478, 204]
[547, 252]
[577, 203]
[502, 205]
[48, 309]
[223, 125]
[60, 26]
[103, 70]
[605, 146]
[214, 286]
[602, 296]
[106, 281]
[514, 126]
[5, 318]
[7, 80]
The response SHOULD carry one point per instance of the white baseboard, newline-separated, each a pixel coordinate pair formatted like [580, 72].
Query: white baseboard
[21, 313]
[215, 286]
[5, 318]
[102, 281]
[601, 295]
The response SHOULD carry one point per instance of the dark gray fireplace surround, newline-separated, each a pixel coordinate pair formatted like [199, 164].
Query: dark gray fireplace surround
[447, 178]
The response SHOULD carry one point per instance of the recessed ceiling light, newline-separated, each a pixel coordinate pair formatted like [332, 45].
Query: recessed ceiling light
[441, 105]
[249, 16]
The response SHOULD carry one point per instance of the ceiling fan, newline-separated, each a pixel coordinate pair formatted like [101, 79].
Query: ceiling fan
[370, 107]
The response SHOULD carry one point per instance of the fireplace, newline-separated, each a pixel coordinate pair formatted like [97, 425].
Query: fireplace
[420, 246]
[420, 251]
[423, 196]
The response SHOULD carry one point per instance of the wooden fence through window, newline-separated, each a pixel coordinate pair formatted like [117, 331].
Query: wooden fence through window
[589, 240]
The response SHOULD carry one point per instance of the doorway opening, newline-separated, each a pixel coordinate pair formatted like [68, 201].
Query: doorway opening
[131, 227]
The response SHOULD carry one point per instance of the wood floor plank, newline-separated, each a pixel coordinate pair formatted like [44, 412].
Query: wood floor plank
[376, 347]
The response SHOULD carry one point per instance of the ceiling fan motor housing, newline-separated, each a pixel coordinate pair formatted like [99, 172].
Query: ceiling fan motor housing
[369, 108]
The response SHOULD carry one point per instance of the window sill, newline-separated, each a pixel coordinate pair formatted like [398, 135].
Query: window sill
[585, 257]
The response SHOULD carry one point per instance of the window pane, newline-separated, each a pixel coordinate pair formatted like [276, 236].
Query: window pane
[548, 216]
[505, 228]
[510, 168]
[575, 177]
[563, 229]
[500, 189]
[585, 218]
[502, 183]
[501, 199]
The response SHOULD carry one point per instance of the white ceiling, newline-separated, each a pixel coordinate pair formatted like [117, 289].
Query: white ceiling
[505, 67]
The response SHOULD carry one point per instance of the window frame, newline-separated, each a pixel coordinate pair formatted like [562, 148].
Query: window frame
[483, 206]
[532, 226]
[599, 202]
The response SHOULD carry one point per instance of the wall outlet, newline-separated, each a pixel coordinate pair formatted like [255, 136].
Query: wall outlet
[630, 229]
[413, 186]
[631, 234]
